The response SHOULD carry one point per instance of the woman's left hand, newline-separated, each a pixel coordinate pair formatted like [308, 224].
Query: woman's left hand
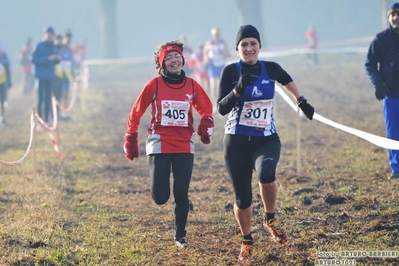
[306, 108]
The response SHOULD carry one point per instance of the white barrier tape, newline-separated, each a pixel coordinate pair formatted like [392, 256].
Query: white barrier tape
[265, 53]
[389, 144]
[366, 40]
[119, 61]
[270, 51]
[385, 143]
[32, 127]
[363, 40]
[72, 101]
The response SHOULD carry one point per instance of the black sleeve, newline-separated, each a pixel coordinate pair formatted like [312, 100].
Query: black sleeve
[228, 80]
[276, 72]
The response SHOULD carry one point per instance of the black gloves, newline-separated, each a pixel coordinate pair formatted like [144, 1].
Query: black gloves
[306, 108]
[380, 90]
[243, 82]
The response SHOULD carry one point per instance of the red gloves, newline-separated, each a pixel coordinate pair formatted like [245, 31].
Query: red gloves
[131, 146]
[205, 129]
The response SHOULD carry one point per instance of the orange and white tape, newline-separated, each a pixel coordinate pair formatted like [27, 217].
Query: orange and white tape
[55, 116]
[57, 150]
[53, 127]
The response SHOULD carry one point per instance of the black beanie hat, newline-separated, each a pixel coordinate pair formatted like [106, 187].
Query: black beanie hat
[394, 8]
[49, 29]
[246, 31]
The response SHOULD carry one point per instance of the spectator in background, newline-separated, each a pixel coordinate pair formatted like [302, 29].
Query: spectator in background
[312, 44]
[79, 55]
[216, 52]
[66, 65]
[199, 68]
[5, 82]
[26, 65]
[57, 82]
[45, 58]
[382, 68]
[170, 142]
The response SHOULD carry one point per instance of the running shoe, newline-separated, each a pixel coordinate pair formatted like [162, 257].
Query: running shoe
[247, 249]
[394, 175]
[181, 242]
[275, 229]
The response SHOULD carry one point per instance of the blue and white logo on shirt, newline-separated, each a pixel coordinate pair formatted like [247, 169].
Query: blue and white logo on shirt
[256, 92]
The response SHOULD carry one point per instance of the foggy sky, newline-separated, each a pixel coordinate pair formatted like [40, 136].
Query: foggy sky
[142, 25]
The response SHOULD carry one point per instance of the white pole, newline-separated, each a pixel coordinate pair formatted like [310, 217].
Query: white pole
[298, 143]
[34, 145]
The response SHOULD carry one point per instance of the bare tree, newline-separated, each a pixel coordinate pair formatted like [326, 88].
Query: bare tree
[384, 10]
[108, 28]
[250, 12]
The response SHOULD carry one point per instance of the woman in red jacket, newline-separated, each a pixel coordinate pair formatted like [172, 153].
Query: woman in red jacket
[170, 141]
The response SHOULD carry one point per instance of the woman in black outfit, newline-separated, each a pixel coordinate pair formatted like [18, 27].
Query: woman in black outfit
[251, 142]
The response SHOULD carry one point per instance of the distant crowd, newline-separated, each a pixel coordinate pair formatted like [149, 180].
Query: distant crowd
[40, 68]
[49, 67]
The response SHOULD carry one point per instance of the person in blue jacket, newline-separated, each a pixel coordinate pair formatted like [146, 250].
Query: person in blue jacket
[382, 68]
[5, 82]
[45, 58]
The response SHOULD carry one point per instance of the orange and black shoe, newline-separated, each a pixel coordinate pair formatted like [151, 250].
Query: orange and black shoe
[275, 229]
[247, 249]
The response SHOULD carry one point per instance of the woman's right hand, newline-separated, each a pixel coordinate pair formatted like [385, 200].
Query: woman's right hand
[243, 82]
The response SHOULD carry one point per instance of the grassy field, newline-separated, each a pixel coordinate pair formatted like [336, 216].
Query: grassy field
[94, 208]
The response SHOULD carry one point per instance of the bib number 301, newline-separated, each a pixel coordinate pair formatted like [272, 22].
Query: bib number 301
[256, 113]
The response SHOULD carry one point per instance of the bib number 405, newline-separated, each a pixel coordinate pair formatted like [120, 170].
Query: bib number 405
[175, 114]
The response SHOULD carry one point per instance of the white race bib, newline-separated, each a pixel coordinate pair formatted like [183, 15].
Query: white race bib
[175, 113]
[257, 113]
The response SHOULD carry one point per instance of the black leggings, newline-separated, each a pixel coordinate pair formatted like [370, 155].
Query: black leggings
[242, 155]
[160, 166]
[44, 98]
[3, 93]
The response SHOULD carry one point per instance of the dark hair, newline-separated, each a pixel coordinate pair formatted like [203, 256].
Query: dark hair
[49, 30]
[394, 8]
[158, 66]
[246, 31]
